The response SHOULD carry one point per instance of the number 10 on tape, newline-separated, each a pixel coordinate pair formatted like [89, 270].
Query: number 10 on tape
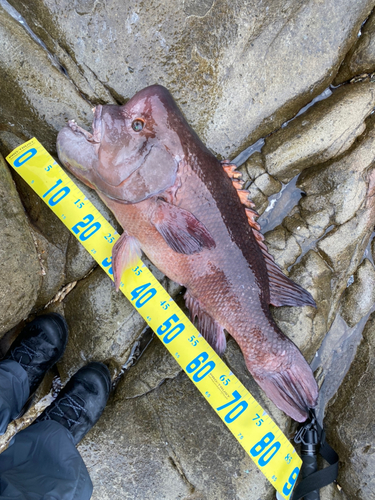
[249, 423]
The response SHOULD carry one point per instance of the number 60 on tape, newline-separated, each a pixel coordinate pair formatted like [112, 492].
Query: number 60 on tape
[249, 423]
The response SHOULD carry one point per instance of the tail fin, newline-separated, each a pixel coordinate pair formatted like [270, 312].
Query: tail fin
[293, 389]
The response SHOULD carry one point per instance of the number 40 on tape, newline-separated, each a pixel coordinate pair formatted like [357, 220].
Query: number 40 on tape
[252, 427]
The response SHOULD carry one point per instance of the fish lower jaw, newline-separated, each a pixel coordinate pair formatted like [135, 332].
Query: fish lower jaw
[79, 130]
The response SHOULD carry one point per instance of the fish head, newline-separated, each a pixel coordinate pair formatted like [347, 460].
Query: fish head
[133, 151]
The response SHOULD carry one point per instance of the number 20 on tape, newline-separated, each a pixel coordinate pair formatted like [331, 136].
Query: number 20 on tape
[249, 423]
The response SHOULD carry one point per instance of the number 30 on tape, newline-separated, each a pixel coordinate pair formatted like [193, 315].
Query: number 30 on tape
[245, 418]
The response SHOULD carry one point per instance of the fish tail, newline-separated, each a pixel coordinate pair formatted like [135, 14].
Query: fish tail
[292, 388]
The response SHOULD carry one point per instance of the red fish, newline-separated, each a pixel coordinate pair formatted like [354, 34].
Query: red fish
[189, 214]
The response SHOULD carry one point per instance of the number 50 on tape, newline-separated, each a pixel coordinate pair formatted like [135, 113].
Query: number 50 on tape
[245, 418]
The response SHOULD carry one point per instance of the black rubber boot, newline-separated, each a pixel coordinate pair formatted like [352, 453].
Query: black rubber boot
[81, 402]
[39, 346]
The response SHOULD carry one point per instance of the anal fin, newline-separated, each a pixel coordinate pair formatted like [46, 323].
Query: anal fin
[125, 253]
[207, 326]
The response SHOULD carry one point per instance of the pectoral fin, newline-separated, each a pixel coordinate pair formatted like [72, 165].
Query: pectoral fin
[125, 253]
[181, 229]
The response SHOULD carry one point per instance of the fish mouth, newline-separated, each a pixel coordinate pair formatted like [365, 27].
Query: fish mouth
[96, 136]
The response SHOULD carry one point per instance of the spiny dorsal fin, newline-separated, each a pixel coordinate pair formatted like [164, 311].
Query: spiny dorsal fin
[283, 291]
[243, 194]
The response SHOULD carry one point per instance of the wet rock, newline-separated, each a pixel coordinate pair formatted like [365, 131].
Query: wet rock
[20, 271]
[279, 205]
[78, 261]
[306, 326]
[324, 131]
[336, 214]
[159, 438]
[317, 214]
[297, 226]
[332, 492]
[359, 297]
[114, 43]
[349, 421]
[37, 99]
[361, 57]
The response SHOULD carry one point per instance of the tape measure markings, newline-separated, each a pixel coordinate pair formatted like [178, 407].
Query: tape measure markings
[250, 424]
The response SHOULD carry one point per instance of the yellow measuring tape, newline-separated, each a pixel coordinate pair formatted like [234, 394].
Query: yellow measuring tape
[249, 423]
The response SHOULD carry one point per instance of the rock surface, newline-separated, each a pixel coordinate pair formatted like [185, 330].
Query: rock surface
[238, 70]
[324, 131]
[37, 98]
[328, 230]
[103, 326]
[20, 271]
[306, 326]
[171, 437]
[351, 424]
[220, 41]
[359, 297]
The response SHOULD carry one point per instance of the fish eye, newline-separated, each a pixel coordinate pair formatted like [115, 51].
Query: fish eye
[138, 124]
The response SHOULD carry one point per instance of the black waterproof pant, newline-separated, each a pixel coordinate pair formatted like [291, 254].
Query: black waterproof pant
[42, 462]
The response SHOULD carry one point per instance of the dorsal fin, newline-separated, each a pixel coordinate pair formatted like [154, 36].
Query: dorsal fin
[283, 291]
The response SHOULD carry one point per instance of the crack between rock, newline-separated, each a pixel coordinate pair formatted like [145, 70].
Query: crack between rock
[40, 259]
[292, 18]
[205, 15]
[65, 290]
[55, 61]
[66, 74]
[172, 454]
[52, 57]
[92, 10]
[154, 388]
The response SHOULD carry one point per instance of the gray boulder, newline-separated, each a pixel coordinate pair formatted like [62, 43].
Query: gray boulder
[102, 324]
[350, 421]
[324, 131]
[37, 98]
[226, 63]
[20, 270]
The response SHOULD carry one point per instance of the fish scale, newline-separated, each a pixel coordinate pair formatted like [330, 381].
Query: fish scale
[249, 423]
